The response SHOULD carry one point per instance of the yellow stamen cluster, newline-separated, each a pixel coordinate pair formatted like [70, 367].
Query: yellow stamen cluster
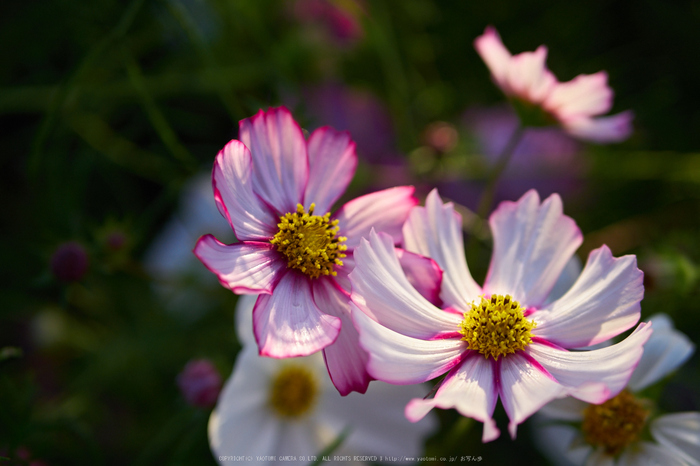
[496, 327]
[309, 242]
[293, 391]
[614, 424]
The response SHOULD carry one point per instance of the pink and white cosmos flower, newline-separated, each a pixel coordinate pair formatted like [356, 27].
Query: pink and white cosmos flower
[503, 339]
[574, 104]
[276, 190]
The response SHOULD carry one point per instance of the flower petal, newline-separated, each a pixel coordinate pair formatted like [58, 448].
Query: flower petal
[566, 409]
[288, 323]
[531, 245]
[599, 458]
[470, 388]
[435, 231]
[524, 388]
[585, 95]
[345, 359]
[242, 405]
[614, 128]
[401, 359]
[384, 211]
[603, 303]
[528, 77]
[665, 351]
[378, 423]
[423, 274]
[680, 433]
[597, 375]
[233, 192]
[244, 268]
[280, 160]
[490, 48]
[380, 288]
[651, 454]
[332, 163]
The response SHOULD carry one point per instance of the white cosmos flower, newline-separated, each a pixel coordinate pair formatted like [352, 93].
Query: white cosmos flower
[676, 436]
[271, 408]
[503, 340]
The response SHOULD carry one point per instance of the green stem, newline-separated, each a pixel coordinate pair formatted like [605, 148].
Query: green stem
[492, 181]
[495, 175]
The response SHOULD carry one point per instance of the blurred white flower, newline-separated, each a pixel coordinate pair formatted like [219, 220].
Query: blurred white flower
[572, 432]
[271, 408]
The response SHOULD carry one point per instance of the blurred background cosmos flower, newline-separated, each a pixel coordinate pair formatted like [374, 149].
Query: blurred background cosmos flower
[629, 429]
[272, 407]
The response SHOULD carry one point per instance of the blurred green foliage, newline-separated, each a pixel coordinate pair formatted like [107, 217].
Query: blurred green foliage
[107, 108]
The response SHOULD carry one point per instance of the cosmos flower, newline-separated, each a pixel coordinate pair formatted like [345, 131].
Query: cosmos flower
[504, 339]
[525, 79]
[276, 190]
[273, 408]
[615, 432]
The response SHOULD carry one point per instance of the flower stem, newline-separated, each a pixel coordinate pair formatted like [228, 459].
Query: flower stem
[492, 181]
[501, 164]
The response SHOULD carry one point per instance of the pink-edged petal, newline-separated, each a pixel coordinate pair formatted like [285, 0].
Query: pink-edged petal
[603, 303]
[288, 322]
[400, 359]
[423, 274]
[496, 56]
[343, 271]
[233, 192]
[280, 160]
[601, 130]
[380, 288]
[332, 163]
[566, 280]
[244, 268]
[680, 434]
[524, 388]
[651, 454]
[435, 231]
[532, 243]
[665, 351]
[470, 388]
[384, 210]
[528, 77]
[597, 375]
[585, 95]
[345, 359]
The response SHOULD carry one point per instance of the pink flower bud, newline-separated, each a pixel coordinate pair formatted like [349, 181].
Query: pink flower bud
[200, 383]
[69, 262]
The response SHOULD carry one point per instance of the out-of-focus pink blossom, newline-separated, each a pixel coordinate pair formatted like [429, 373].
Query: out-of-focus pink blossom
[441, 136]
[200, 383]
[69, 262]
[573, 104]
[338, 20]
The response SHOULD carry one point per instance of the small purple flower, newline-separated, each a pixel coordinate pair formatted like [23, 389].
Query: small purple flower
[69, 262]
[200, 383]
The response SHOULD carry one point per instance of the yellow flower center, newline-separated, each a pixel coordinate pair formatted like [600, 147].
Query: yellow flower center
[309, 242]
[496, 327]
[293, 392]
[614, 424]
